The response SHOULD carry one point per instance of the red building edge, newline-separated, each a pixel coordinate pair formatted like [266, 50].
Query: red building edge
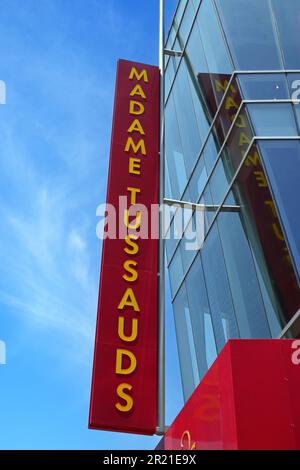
[248, 400]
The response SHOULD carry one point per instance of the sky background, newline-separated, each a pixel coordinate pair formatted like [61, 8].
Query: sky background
[58, 59]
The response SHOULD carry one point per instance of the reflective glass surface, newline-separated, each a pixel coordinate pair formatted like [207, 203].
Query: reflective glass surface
[218, 290]
[273, 119]
[287, 15]
[176, 174]
[251, 34]
[201, 317]
[185, 336]
[264, 87]
[215, 50]
[282, 160]
[234, 272]
[176, 271]
[186, 24]
[268, 241]
[242, 276]
[188, 128]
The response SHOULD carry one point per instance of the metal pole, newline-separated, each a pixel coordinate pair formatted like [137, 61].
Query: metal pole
[161, 268]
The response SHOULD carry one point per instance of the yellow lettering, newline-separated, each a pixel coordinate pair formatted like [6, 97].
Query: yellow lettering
[142, 75]
[278, 233]
[127, 398]
[230, 103]
[134, 166]
[128, 268]
[271, 204]
[133, 193]
[134, 330]
[252, 159]
[138, 90]
[244, 139]
[137, 221]
[129, 300]
[136, 126]
[135, 107]
[261, 179]
[135, 147]
[129, 240]
[120, 369]
[222, 86]
[241, 121]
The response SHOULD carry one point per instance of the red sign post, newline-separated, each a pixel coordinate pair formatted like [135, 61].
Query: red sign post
[124, 383]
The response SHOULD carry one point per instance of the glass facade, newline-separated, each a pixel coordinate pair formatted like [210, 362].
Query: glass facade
[232, 148]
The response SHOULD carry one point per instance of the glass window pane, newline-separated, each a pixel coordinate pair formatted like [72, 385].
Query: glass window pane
[247, 298]
[264, 87]
[171, 244]
[269, 243]
[219, 182]
[288, 20]
[179, 12]
[219, 296]
[188, 127]
[176, 272]
[250, 34]
[198, 180]
[195, 52]
[188, 244]
[168, 77]
[201, 317]
[236, 145]
[210, 152]
[209, 214]
[185, 342]
[282, 161]
[176, 174]
[186, 24]
[269, 297]
[177, 220]
[213, 43]
[272, 119]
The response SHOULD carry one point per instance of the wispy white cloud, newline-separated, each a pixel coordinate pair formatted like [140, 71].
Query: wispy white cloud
[47, 268]
[52, 175]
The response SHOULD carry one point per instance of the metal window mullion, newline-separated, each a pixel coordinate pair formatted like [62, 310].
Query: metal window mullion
[289, 325]
[266, 72]
[212, 170]
[161, 244]
[206, 138]
[223, 34]
[172, 22]
[183, 51]
[208, 134]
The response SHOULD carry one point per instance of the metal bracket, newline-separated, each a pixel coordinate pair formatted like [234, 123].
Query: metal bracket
[172, 53]
[201, 207]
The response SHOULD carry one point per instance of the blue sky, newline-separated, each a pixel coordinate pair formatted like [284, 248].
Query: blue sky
[58, 60]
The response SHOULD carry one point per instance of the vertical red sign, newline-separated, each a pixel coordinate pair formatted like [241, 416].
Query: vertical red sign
[124, 383]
